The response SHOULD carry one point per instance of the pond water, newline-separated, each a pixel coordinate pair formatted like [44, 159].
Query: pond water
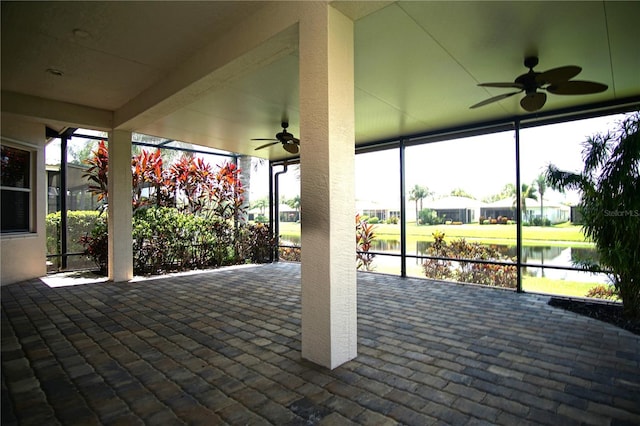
[539, 255]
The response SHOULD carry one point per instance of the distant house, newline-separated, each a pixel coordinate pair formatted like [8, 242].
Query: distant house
[505, 208]
[456, 209]
[377, 209]
[288, 214]
[553, 211]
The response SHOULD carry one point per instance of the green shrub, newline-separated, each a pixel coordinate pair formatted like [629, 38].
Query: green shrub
[256, 244]
[79, 224]
[429, 217]
[373, 220]
[392, 220]
[470, 272]
[540, 222]
[96, 243]
[165, 239]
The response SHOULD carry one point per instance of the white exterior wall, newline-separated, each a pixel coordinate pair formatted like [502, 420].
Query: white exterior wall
[23, 255]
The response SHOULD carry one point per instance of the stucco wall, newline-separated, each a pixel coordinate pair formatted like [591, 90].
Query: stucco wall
[23, 256]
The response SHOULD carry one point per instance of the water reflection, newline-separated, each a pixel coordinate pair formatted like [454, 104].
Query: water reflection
[537, 255]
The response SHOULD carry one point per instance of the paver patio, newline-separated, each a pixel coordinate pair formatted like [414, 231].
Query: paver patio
[223, 347]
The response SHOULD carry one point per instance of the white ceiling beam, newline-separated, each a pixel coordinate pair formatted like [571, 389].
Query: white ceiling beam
[55, 112]
[266, 36]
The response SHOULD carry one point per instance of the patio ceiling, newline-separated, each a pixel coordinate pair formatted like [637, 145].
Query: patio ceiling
[417, 64]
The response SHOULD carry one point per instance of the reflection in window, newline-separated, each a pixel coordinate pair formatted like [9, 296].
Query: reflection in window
[15, 184]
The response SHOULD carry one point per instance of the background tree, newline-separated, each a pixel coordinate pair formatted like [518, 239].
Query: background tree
[541, 183]
[459, 192]
[610, 204]
[262, 204]
[508, 191]
[417, 194]
[294, 203]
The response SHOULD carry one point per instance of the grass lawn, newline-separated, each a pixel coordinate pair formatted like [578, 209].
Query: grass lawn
[551, 286]
[529, 284]
[559, 235]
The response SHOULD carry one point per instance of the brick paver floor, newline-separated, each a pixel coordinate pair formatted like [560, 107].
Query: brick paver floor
[223, 347]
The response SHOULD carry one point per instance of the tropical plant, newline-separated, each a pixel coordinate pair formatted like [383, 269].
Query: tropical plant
[191, 180]
[164, 238]
[364, 238]
[97, 172]
[601, 291]
[148, 172]
[610, 204]
[227, 193]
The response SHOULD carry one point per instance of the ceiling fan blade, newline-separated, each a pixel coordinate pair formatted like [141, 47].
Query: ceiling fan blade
[264, 139]
[266, 144]
[577, 87]
[533, 101]
[296, 141]
[494, 99]
[558, 75]
[291, 148]
[513, 85]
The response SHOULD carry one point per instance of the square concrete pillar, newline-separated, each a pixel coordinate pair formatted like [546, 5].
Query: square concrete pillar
[329, 308]
[120, 214]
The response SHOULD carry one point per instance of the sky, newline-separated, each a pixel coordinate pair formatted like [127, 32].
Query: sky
[480, 165]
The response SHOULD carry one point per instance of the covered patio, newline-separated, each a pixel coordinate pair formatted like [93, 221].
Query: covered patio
[223, 347]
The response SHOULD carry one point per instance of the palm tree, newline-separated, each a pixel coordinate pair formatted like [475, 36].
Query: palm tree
[609, 204]
[294, 203]
[261, 204]
[527, 191]
[541, 182]
[417, 194]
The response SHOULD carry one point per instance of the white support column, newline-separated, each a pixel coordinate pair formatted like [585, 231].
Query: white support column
[329, 305]
[120, 215]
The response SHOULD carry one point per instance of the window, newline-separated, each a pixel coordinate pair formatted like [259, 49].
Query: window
[15, 185]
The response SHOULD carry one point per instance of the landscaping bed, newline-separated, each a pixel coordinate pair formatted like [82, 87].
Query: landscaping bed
[606, 312]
